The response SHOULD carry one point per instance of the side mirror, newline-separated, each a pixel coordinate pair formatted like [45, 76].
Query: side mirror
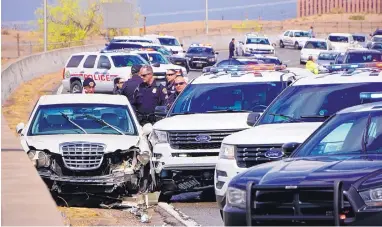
[160, 111]
[105, 65]
[181, 45]
[147, 129]
[156, 64]
[216, 52]
[20, 128]
[288, 148]
[252, 118]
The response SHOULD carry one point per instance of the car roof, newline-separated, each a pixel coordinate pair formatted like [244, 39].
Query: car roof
[359, 34]
[82, 98]
[339, 78]
[111, 53]
[145, 52]
[296, 31]
[374, 106]
[316, 40]
[378, 36]
[340, 34]
[330, 52]
[362, 51]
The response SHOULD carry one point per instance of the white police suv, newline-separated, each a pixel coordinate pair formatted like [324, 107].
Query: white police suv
[292, 117]
[256, 44]
[220, 102]
[171, 43]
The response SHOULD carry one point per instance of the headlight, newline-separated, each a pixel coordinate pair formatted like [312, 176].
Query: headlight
[372, 197]
[39, 158]
[227, 151]
[211, 59]
[236, 197]
[160, 136]
[272, 51]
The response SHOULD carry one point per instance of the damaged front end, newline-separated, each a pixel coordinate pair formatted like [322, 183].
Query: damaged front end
[82, 167]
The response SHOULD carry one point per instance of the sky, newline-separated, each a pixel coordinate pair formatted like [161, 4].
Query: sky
[167, 11]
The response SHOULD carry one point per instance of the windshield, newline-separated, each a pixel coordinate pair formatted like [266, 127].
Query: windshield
[327, 56]
[315, 45]
[201, 98]
[127, 60]
[345, 135]
[79, 118]
[199, 50]
[119, 46]
[270, 61]
[377, 46]
[257, 41]
[297, 103]
[168, 42]
[377, 39]
[154, 58]
[339, 39]
[301, 34]
[361, 57]
[161, 50]
[359, 38]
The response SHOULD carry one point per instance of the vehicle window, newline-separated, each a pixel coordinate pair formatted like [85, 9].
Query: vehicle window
[158, 58]
[377, 39]
[162, 50]
[199, 50]
[52, 119]
[327, 56]
[120, 46]
[201, 98]
[361, 57]
[229, 62]
[339, 39]
[377, 46]
[250, 62]
[340, 58]
[286, 33]
[90, 61]
[168, 42]
[346, 134]
[75, 61]
[316, 45]
[127, 60]
[103, 60]
[270, 61]
[139, 41]
[359, 38]
[264, 41]
[309, 103]
[302, 34]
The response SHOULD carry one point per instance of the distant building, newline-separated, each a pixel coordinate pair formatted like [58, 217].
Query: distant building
[313, 7]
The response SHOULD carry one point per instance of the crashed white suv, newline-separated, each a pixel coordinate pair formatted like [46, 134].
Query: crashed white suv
[87, 144]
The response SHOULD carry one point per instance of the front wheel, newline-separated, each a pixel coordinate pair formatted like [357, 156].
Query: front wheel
[76, 87]
[296, 46]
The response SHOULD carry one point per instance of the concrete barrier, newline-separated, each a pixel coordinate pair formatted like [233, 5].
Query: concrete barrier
[32, 66]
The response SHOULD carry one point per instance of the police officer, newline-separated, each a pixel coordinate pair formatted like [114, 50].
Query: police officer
[148, 95]
[131, 84]
[232, 48]
[180, 83]
[170, 77]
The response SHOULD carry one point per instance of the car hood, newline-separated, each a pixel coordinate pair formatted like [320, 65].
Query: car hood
[200, 55]
[259, 46]
[210, 121]
[302, 39]
[273, 134]
[112, 142]
[340, 46]
[316, 170]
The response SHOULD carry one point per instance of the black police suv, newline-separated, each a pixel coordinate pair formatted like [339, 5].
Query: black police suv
[199, 57]
[333, 178]
[358, 56]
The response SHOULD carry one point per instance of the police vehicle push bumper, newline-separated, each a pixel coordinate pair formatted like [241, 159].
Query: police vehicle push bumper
[200, 62]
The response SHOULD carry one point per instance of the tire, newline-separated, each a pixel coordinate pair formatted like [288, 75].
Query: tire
[296, 46]
[208, 195]
[302, 63]
[166, 198]
[281, 44]
[76, 87]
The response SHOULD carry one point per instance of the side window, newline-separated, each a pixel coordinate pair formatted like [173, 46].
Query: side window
[224, 63]
[291, 34]
[286, 33]
[90, 61]
[75, 61]
[104, 62]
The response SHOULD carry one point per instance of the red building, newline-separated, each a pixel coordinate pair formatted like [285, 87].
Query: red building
[312, 7]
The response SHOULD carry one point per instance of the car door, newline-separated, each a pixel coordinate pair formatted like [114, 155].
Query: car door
[88, 68]
[104, 74]
[285, 37]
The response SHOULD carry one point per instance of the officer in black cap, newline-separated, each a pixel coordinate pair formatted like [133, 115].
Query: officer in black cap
[148, 95]
[170, 77]
[131, 84]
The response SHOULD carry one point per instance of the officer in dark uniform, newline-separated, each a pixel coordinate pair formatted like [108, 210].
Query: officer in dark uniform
[131, 84]
[148, 95]
[170, 77]
[179, 83]
[232, 48]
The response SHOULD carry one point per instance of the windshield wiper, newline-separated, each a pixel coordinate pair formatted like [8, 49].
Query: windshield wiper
[104, 123]
[73, 123]
[228, 111]
[315, 116]
[292, 119]
[365, 136]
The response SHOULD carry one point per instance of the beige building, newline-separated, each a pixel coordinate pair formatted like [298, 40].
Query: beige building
[312, 7]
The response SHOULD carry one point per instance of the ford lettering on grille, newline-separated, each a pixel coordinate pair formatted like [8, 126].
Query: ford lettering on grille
[274, 154]
[203, 138]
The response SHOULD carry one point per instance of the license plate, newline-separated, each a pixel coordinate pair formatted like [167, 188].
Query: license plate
[199, 65]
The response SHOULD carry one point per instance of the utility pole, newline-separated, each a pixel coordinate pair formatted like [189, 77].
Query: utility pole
[206, 17]
[45, 26]
[144, 25]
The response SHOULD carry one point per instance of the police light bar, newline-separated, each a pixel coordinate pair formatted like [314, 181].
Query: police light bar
[200, 45]
[370, 95]
[342, 67]
[244, 68]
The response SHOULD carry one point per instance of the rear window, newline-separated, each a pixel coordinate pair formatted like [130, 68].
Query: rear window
[327, 56]
[339, 39]
[377, 46]
[119, 46]
[75, 61]
[359, 38]
[363, 57]
[315, 45]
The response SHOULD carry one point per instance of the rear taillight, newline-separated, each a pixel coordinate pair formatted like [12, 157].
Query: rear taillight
[63, 73]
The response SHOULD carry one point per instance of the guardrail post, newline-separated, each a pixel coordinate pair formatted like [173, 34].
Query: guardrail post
[18, 44]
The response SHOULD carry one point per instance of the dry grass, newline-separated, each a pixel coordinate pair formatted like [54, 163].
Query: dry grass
[21, 102]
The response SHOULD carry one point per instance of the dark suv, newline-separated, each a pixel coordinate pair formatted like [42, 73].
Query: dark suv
[359, 56]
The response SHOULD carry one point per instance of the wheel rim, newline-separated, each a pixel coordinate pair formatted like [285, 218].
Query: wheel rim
[296, 45]
[76, 88]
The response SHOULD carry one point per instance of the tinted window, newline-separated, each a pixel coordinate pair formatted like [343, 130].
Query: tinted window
[49, 120]
[257, 41]
[345, 134]
[315, 100]
[360, 57]
[327, 56]
[229, 62]
[75, 61]
[377, 46]
[103, 60]
[127, 60]
[158, 58]
[302, 34]
[286, 33]
[199, 50]
[169, 42]
[316, 45]
[359, 38]
[90, 61]
[119, 46]
[339, 39]
[270, 61]
[377, 39]
[201, 98]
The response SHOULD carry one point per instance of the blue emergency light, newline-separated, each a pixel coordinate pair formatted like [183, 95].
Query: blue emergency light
[344, 67]
[370, 95]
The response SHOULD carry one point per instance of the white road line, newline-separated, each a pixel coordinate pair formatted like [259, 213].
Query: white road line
[60, 89]
[182, 218]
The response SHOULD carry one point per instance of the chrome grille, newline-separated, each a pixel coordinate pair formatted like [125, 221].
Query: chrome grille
[187, 140]
[250, 155]
[82, 155]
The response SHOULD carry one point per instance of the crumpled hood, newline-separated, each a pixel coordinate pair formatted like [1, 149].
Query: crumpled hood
[210, 121]
[317, 170]
[112, 142]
